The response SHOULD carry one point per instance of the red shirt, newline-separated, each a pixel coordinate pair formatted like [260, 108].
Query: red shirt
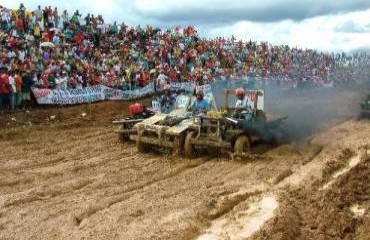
[172, 76]
[13, 42]
[19, 24]
[4, 84]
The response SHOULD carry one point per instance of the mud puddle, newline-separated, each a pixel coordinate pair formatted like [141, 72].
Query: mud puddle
[357, 210]
[352, 163]
[243, 221]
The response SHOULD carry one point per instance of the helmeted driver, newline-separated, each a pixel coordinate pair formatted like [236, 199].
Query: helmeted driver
[199, 105]
[242, 109]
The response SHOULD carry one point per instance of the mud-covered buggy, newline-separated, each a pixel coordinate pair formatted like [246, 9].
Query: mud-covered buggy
[365, 108]
[167, 131]
[222, 131]
[137, 114]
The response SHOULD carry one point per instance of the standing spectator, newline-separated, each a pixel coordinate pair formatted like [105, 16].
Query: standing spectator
[38, 13]
[4, 91]
[76, 19]
[26, 89]
[161, 80]
[18, 87]
[56, 17]
[65, 19]
[22, 17]
[88, 20]
[12, 91]
[45, 14]
[5, 19]
[37, 32]
[64, 80]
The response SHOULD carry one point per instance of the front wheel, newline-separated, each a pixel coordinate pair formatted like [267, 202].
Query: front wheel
[242, 144]
[188, 146]
[140, 145]
[122, 137]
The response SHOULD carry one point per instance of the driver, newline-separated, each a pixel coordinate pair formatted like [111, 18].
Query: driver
[242, 109]
[167, 100]
[199, 105]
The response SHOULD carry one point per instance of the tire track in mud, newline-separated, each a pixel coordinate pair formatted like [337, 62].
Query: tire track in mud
[63, 187]
[53, 147]
[43, 193]
[122, 196]
[12, 183]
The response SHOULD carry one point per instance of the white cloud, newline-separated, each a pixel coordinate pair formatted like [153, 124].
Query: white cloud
[224, 11]
[317, 33]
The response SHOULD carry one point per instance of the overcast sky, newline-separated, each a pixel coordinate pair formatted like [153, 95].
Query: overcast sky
[328, 25]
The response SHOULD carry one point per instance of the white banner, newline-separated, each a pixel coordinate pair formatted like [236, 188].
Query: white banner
[88, 94]
[100, 93]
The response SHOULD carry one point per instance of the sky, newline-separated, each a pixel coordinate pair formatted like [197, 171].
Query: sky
[326, 25]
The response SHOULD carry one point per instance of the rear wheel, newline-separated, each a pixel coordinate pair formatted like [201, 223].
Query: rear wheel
[242, 144]
[122, 137]
[188, 146]
[178, 143]
[140, 145]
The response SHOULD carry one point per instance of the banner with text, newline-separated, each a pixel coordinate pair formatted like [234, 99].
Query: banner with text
[100, 93]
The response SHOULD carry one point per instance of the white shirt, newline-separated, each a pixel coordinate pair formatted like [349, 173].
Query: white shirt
[12, 84]
[38, 13]
[56, 40]
[63, 82]
[12, 54]
[161, 80]
[117, 68]
[58, 82]
[242, 103]
[21, 55]
[5, 16]
[65, 17]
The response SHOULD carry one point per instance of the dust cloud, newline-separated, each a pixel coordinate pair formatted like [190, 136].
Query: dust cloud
[308, 110]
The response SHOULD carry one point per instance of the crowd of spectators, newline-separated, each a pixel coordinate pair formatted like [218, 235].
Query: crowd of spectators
[48, 48]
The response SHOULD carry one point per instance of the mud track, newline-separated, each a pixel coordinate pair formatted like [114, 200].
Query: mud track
[71, 179]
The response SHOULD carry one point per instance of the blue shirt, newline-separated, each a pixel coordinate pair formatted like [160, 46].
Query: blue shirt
[200, 105]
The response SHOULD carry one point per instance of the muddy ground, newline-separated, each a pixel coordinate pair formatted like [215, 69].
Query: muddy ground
[64, 175]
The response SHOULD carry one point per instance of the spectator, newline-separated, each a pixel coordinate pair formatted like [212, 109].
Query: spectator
[18, 90]
[12, 91]
[26, 89]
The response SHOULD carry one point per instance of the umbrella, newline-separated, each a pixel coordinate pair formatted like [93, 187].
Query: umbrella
[47, 44]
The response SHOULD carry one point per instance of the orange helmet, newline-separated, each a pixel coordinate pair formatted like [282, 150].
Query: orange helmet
[239, 92]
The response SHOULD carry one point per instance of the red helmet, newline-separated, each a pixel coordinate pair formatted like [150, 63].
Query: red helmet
[136, 108]
[239, 92]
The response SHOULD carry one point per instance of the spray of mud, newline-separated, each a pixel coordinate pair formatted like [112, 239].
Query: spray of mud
[308, 110]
